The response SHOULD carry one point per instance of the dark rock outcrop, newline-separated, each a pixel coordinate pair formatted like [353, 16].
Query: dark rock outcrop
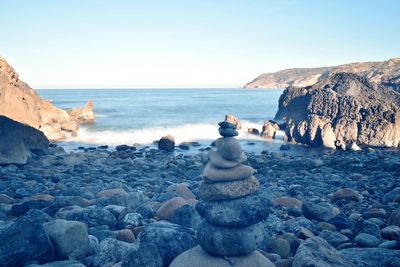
[340, 110]
[21, 103]
[18, 141]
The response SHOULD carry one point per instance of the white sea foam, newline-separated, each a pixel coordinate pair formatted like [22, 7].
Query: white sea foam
[188, 132]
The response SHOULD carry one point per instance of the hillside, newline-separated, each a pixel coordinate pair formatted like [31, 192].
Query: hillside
[375, 71]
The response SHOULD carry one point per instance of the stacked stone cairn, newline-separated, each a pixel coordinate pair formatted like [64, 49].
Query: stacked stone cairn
[231, 207]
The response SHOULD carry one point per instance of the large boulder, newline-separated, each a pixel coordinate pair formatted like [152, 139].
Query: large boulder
[25, 240]
[21, 103]
[18, 141]
[342, 109]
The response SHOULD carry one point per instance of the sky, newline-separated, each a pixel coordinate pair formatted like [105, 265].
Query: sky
[187, 43]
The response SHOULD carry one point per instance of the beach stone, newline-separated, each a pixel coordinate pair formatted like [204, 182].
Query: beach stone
[372, 257]
[166, 143]
[315, 251]
[223, 175]
[233, 120]
[132, 219]
[66, 263]
[220, 162]
[227, 124]
[92, 216]
[126, 235]
[321, 211]
[281, 247]
[5, 199]
[392, 244]
[146, 255]
[285, 147]
[112, 251]
[333, 238]
[242, 211]
[394, 218]
[253, 131]
[227, 132]
[229, 241]
[22, 208]
[367, 240]
[346, 194]
[391, 196]
[391, 232]
[287, 202]
[229, 148]
[170, 239]
[197, 257]
[228, 190]
[111, 192]
[168, 208]
[25, 240]
[70, 238]
[181, 190]
[187, 216]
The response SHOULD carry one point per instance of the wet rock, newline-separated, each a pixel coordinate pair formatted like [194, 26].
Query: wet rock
[70, 238]
[233, 120]
[316, 251]
[372, 257]
[232, 241]
[166, 143]
[236, 212]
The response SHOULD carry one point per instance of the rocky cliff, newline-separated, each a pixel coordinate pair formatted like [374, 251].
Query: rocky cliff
[341, 110]
[376, 71]
[21, 103]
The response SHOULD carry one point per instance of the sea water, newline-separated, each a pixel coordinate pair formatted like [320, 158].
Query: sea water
[140, 116]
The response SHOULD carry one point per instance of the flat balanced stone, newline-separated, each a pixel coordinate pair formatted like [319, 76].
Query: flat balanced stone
[218, 161]
[229, 148]
[223, 175]
[227, 132]
[228, 190]
[227, 124]
[196, 257]
[229, 241]
[242, 211]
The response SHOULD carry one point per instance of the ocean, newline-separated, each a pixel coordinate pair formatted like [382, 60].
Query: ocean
[140, 116]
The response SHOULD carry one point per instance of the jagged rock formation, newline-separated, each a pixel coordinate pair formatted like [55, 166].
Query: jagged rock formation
[376, 71]
[21, 103]
[18, 141]
[340, 110]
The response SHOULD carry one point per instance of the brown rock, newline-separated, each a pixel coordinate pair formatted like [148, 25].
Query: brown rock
[44, 197]
[168, 208]
[219, 162]
[287, 202]
[223, 175]
[346, 194]
[232, 119]
[111, 192]
[229, 148]
[228, 190]
[166, 143]
[126, 235]
[181, 190]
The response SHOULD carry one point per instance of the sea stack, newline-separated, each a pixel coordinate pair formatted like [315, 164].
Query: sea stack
[231, 208]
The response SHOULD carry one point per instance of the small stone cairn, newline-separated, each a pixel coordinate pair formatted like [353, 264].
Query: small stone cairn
[231, 208]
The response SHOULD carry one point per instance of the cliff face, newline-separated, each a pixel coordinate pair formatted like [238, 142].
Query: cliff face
[300, 77]
[21, 103]
[342, 109]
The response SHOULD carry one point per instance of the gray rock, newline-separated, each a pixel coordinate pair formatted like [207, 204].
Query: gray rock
[372, 257]
[92, 216]
[132, 219]
[281, 247]
[23, 241]
[112, 251]
[146, 255]
[170, 239]
[227, 132]
[66, 263]
[219, 162]
[242, 211]
[321, 211]
[333, 238]
[227, 124]
[367, 240]
[196, 257]
[70, 238]
[315, 251]
[229, 241]
[238, 172]
[187, 216]
[229, 148]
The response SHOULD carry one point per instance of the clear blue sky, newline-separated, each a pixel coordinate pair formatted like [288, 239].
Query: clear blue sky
[185, 43]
